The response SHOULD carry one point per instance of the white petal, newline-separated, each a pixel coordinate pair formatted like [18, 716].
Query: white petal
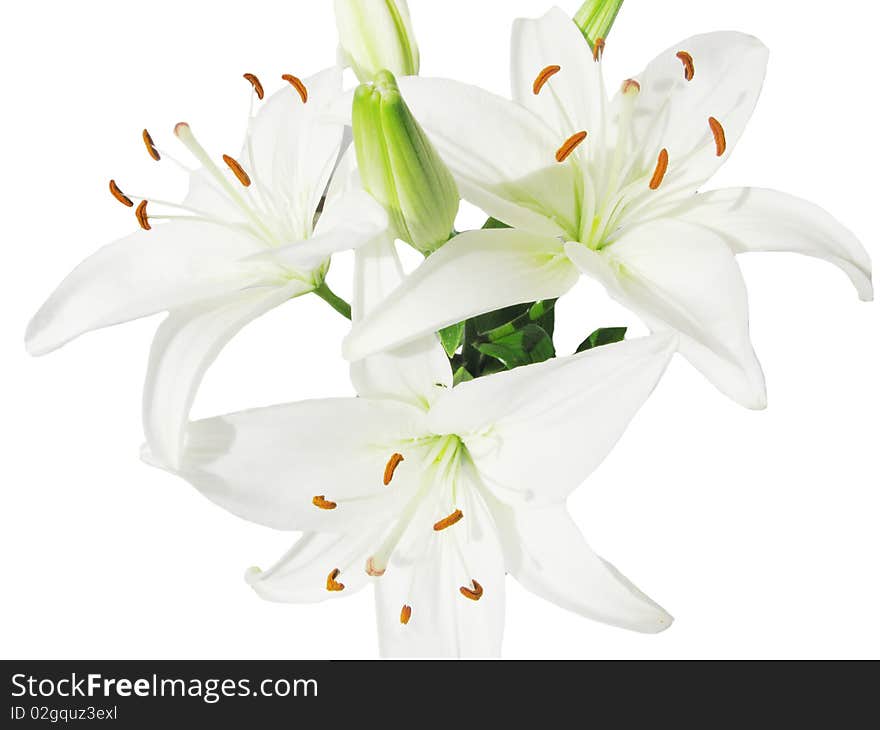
[301, 575]
[573, 99]
[477, 272]
[185, 345]
[444, 623]
[502, 156]
[682, 277]
[546, 552]
[267, 465]
[752, 219]
[536, 433]
[150, 271]
[414, 373]
[674, 113]
[292, 147]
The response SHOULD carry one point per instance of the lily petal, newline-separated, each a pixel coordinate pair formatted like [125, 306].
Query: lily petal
[546, 552]
[512, 175]
[536, 433]
[752, 219]
[679, 276]
[186, 344]
[476, 272]
[267, 465]
[428, 579]
[148, 272]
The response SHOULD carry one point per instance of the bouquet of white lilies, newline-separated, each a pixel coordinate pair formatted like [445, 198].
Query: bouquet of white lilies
[453, 465]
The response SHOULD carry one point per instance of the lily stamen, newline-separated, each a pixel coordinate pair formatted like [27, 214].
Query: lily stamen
[630, 86]
[391, 467]
[598, 49]
[372, 570]
[475, 593]
[322, 503]
[687, 61]
[297, 84]
[119, 195]
[237, 170]
[258, 87]
[141, 214]
[405, 614]
[660, 170]
[151, 147]
[569, 146]
[543, 77]
[448, 521]
[720, 137]
[332, 584]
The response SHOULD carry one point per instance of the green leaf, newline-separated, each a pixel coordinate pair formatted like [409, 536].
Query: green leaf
[451, 338]
[461, 376]
[526, 346]
[493, 223]
[604, 336]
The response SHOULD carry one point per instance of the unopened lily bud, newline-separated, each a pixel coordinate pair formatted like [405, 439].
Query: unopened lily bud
[376, 35]
[595, 19]
[400, 167]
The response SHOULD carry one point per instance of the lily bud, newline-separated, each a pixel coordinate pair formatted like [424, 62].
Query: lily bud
[596, 17]
[400, 168]
[376, 35]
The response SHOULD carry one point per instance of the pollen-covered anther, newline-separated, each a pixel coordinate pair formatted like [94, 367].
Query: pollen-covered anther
[475, 593]
[237, 170]
[391, 467]
[660, 170]
[569, 146]
[448, 521]
[405, 614]
[598, 48]
[322, 503]
[297, 84]
[543, 77]
[687, 60]
[630, 86]
[119, 195]
[258, 87]
[333, 585]
[373, 570]
[151, 148]
[141, 214]
[720, 137]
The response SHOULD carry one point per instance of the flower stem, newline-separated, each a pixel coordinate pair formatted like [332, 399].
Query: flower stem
[338, 303]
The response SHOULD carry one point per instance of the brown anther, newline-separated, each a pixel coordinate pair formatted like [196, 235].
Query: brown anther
[332, 584]
[405, 614]
[141, 214]
[687, 60]
[544, 77]
[630, 86]
[237, 170]
[297, 84]
[448, 521]
[720, 137]
[321, 503]
[598, 48]
[119, 195]
[391, 467]
[151, 148]
[372, 570]
[475, 593]
[255, 82]
[660, 171]
[569, 146]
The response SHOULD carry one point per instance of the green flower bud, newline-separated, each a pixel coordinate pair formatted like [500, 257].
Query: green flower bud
[400, 168]
[376, 35]
[596, 17]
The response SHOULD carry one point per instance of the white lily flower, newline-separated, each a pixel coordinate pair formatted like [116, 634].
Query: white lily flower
[606, 188]
[432, 493]
[244, 241]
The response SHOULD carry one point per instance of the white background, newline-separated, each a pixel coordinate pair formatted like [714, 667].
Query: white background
[758, 531]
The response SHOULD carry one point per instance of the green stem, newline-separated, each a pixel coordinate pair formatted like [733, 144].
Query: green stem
[338, 303]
